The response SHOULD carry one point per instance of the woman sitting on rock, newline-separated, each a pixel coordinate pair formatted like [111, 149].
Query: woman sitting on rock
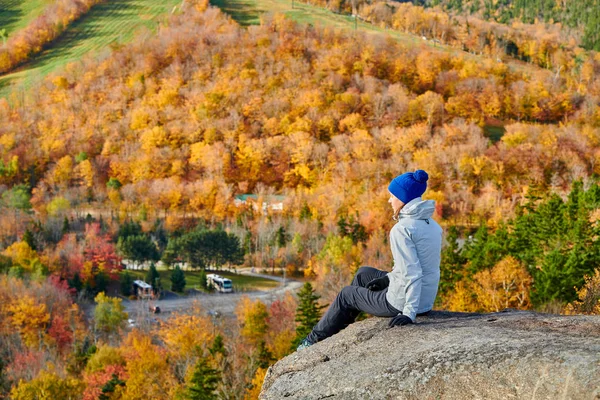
[410, 289]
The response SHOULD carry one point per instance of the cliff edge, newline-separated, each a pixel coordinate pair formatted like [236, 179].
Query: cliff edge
[446, 355]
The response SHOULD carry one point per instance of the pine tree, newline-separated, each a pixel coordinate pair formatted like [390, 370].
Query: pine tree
[573, 204]
[452, 263]
[29, 239]
[129, 228]
[305, 212]
[308, 312]
[342, 226]
[76, 282]
[264, 356]
[126, 283]
[152, 275]
[110, 386]
[177, 280]
[204, 381]
[66, 227]
[281, 237]
[203, 279]
[218, 346]
[474, 249]
[358, 232]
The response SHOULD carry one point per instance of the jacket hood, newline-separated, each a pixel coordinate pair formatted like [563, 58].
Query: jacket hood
[418, 209]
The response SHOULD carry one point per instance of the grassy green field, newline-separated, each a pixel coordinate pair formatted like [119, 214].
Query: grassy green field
[117, 21]
[111, 22]
[240, 282]
[248, 12]
[16, 14]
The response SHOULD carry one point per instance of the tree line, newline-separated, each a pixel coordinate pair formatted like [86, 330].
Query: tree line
[581, 16]
[30, 40]
[542, 256]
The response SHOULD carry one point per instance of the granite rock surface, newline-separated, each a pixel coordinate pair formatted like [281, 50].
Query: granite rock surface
[505, 355]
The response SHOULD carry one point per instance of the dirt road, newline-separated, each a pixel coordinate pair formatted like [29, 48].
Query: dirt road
[221, 304]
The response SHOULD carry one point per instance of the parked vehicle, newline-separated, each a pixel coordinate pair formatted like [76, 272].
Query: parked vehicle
[219, 283]
[142, 290]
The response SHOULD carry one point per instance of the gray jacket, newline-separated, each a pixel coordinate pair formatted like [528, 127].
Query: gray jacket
[416, 242]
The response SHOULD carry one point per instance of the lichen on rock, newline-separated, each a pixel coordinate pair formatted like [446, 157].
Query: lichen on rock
[513, 354]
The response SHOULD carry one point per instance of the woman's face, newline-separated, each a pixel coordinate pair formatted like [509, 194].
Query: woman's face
[396, 203]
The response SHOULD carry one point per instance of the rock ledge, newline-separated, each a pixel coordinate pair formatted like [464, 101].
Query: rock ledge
[512, 354]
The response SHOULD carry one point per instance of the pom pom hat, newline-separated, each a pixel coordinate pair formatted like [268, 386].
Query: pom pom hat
[409, 185]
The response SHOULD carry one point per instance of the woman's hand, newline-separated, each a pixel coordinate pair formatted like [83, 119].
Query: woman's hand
[400, 320]
[378, 284]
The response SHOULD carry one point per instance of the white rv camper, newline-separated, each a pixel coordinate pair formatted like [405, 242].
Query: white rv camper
[220, 284]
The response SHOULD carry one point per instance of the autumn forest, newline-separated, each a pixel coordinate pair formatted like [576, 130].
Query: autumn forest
[213, 146]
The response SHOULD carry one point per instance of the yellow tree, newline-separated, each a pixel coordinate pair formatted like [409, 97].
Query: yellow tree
[63, 171]
[185, 334]
[588, 297]
[21, 254]
[461, 299]
[252, 315]
[109, 314]
[48, 385]
[506, 285]
[85, 172]
[30, 318]
[254, 391]
[147, 365]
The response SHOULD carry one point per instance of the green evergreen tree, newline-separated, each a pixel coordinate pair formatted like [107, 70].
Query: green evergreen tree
[483, 250]
[113, 183]
[342, 225]
[248, 242]
[110, 386]
[204, 381]
[159, 234]
[126, 283]
[152, 275]
[305, 212]
[452, 263]
[263, 355]
[308, 312]
[205, 249]
[218, 346]
[203, 279]
[101, 280]
[4, 384]
[554, 239]
[5, 264]
[29, 239]
[138, 248]
[177, 280]
[66, 227]
[573, 204]
[358, 232]
[76, 282]
[281, 237]
[129, 228]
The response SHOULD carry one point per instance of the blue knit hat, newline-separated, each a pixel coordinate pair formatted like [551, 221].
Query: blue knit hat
[409, 185]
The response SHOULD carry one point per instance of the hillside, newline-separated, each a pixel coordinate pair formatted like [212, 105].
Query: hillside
[106, 26]
[271, 146]
[16, 14]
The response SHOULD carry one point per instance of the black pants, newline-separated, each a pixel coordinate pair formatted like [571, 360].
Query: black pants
[350, 302]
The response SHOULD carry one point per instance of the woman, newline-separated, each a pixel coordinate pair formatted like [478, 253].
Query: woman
[411, 287]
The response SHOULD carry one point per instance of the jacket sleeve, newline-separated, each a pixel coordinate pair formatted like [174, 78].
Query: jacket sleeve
[408, 270]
